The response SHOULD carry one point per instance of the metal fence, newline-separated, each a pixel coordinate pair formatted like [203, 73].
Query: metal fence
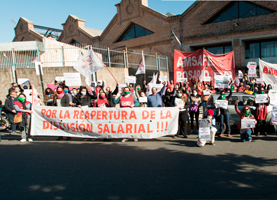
[62, 56]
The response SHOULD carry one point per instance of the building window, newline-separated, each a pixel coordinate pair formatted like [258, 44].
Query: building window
[265, 50]
[239, 9]
[222, 49]
[134, 31]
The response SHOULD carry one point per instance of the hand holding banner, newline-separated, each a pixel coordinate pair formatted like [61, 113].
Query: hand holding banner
[223, 104]
[261, 98]
[248, 123]
[204, 130]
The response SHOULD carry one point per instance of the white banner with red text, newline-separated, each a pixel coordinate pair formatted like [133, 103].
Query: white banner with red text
[268, 72]
[87, 122]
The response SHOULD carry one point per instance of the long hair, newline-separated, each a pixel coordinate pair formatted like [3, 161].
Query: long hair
[184, 99]
[242, 113]
[51, 91]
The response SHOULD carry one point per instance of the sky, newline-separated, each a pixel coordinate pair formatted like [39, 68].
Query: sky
[50, 13]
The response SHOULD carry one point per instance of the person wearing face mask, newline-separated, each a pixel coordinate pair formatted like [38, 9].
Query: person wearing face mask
[23, 108]
[49, 97]
[140, 93]
[102, 101]
[261, 113]
[155, 99]
[10, 110]
[180, 101]
[126, 101]
[83, 98]
[224, 114]
[168, 98]
[255, 91]
[67, 92]
[195, 102]
[62, 100]
[212, 122]
[245, 113]
[100, 86]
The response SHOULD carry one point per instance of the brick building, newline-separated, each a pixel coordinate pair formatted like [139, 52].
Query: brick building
[249, 28]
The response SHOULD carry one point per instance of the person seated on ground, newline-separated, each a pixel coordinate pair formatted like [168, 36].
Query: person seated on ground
[212, 122]
[245, 113]
[126, 101]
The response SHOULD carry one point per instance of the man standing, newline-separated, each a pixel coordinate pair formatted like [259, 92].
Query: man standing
[155, 99]
[10, 110]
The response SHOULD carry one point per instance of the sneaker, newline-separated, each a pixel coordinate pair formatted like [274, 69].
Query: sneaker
[220, 135]
[124, 140]
[23, 140]
[185, 136]
[135, 139]
[213, 144]
[250, 140]
[229, 135]
[30, 140]
[13, 132]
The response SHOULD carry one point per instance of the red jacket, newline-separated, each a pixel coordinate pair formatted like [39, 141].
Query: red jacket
[261, 111]
[21, 107]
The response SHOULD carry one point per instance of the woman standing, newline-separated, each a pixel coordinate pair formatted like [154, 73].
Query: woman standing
[205, 94]
[62, 100]
[82, 98]
[245, 134]
[23, 109]
[180, 102]
[49, 97]
[261, 113]
[102, 101]
[195, 101]
[168, 98]
[140, 93]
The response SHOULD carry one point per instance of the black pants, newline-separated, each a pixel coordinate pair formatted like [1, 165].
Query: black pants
[182, 124]
[192, 114]
[261, 126]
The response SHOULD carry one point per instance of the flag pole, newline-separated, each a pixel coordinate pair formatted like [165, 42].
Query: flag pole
[144, 66]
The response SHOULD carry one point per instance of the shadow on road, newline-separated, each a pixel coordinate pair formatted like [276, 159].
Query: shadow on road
[99, 170]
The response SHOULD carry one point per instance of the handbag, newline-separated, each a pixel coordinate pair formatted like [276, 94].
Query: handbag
[17, 119]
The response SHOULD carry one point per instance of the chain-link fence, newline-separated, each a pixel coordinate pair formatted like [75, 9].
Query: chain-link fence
[67, 55]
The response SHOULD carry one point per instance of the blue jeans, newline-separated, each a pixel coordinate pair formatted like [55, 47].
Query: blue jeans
[246, 136]
[13, 125]
[227, 118]
[204, 105]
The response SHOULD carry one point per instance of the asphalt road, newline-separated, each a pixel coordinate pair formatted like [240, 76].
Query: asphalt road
[163, 168]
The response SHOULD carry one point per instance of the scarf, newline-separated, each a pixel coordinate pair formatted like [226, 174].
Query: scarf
[59, 96]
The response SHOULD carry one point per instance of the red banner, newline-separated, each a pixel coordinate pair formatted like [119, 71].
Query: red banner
[190, 65]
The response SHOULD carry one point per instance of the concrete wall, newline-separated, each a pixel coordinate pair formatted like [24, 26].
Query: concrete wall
[6, 80]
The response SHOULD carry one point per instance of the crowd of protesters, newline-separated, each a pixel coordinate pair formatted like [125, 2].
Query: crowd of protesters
[187, 99]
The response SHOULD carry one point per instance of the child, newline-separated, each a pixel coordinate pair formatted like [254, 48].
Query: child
[211, 119]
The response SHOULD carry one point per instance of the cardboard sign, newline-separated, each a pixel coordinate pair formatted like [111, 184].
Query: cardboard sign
[261, 98]
[163, 78]
[247, 123]
[59, 78]
[181, 80]
[23, 81]
[72, 79]
[130, 79]
[223, 104]
[204, 130]
[143, 99]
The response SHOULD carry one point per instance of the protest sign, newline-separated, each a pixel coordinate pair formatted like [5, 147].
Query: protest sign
[274, 115]
[218, 81]
[28, 95]
[121, 86]
[259, 81]
[252, 69]
[158, 86]
[23, 81]
[206, 92]
[247, 123]
[130, 79]
[72, 79]
[207, 78]
[261, 98]
[163, 78]
[59, 78]
[240, 74]
[181, 80]
[204, 130]
[222, 104]
[179, 102]
[104, 123]
[143, 99]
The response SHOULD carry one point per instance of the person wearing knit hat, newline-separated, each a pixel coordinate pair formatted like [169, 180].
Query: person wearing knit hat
[213, 130]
